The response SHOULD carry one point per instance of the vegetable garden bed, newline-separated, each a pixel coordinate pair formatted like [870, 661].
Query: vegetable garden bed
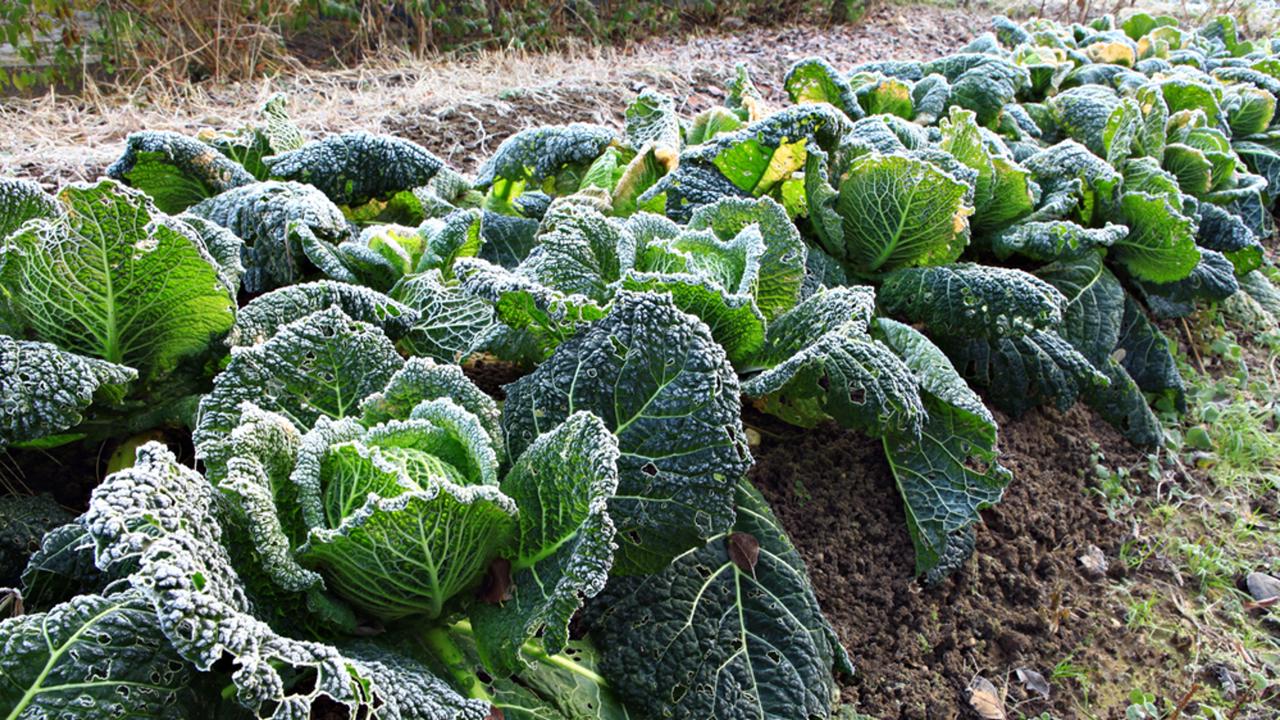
[368, 525]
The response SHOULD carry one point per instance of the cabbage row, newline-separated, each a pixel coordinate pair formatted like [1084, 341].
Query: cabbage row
[372, 529]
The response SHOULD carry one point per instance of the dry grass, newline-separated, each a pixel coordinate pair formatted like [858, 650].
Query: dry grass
[459, 108]
[74, 137]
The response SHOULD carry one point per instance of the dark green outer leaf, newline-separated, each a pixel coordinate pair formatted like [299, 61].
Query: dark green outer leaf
[1213, 279]
[946, 477]
[662, 385]
[273, 219]
[1054, 240]
[562, 486]
[20, 201]
[44, 390]
[354, 168]
[967, 300]
[175, 170]
[104, 653]
[705, 638]
[266, 314]
[1023, 372]
[61, 569]
[1095, 309]
[1148, 356]
[1123, 405]
[537, 154]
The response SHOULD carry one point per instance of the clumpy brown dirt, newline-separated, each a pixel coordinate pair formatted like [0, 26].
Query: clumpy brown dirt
[1022, 601]
[692, 70]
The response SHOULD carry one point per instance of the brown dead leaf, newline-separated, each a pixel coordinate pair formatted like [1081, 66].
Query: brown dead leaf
[986, 699]
[744, 551]
[496, 588]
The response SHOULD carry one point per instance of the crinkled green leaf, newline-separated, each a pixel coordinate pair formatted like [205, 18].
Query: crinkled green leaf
[1249, 110]
[422, 379]
[321, 365]
[1123, 405]
[946, 476]
[782, 263]
[1023, 372]
[707, 637]
[651, 119]
[749, 162]
[894, 212]
[930, 97]
[980, 82]
[883, 95]
[967, 300]
[1160, 246]
[562, 485]
[662, 385]
[273, 219]
[1213, 279]
[450, 322]
[536, 155]
[1069, 167]
[1147, 355]
[23, 200]
[44, 390]
[273, 133]
[115, 279]
[1003, 191]
[175, 170]
[1054, 240]
[262, 318]
[820, 362]
[403, 529]
[527, 305]
[95, 656]
[357, 167]
[813, 80]
[158, 520]
[223, 245]
[1095, 304]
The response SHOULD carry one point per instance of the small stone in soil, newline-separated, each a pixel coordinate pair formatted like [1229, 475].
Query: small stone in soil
[1093, 562]
[1262, 586]
[1033, 681]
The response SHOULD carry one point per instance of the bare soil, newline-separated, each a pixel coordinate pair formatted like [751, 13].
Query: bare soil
[1023, 601]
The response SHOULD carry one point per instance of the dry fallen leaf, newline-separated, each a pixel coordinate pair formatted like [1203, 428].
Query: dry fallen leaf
[1093, 562]
[1033, 681]
[744, 551]
[985, 699]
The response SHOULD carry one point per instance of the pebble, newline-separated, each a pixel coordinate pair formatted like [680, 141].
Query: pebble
[1262, 586]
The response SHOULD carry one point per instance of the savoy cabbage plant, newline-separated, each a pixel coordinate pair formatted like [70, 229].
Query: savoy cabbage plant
[368, 523]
